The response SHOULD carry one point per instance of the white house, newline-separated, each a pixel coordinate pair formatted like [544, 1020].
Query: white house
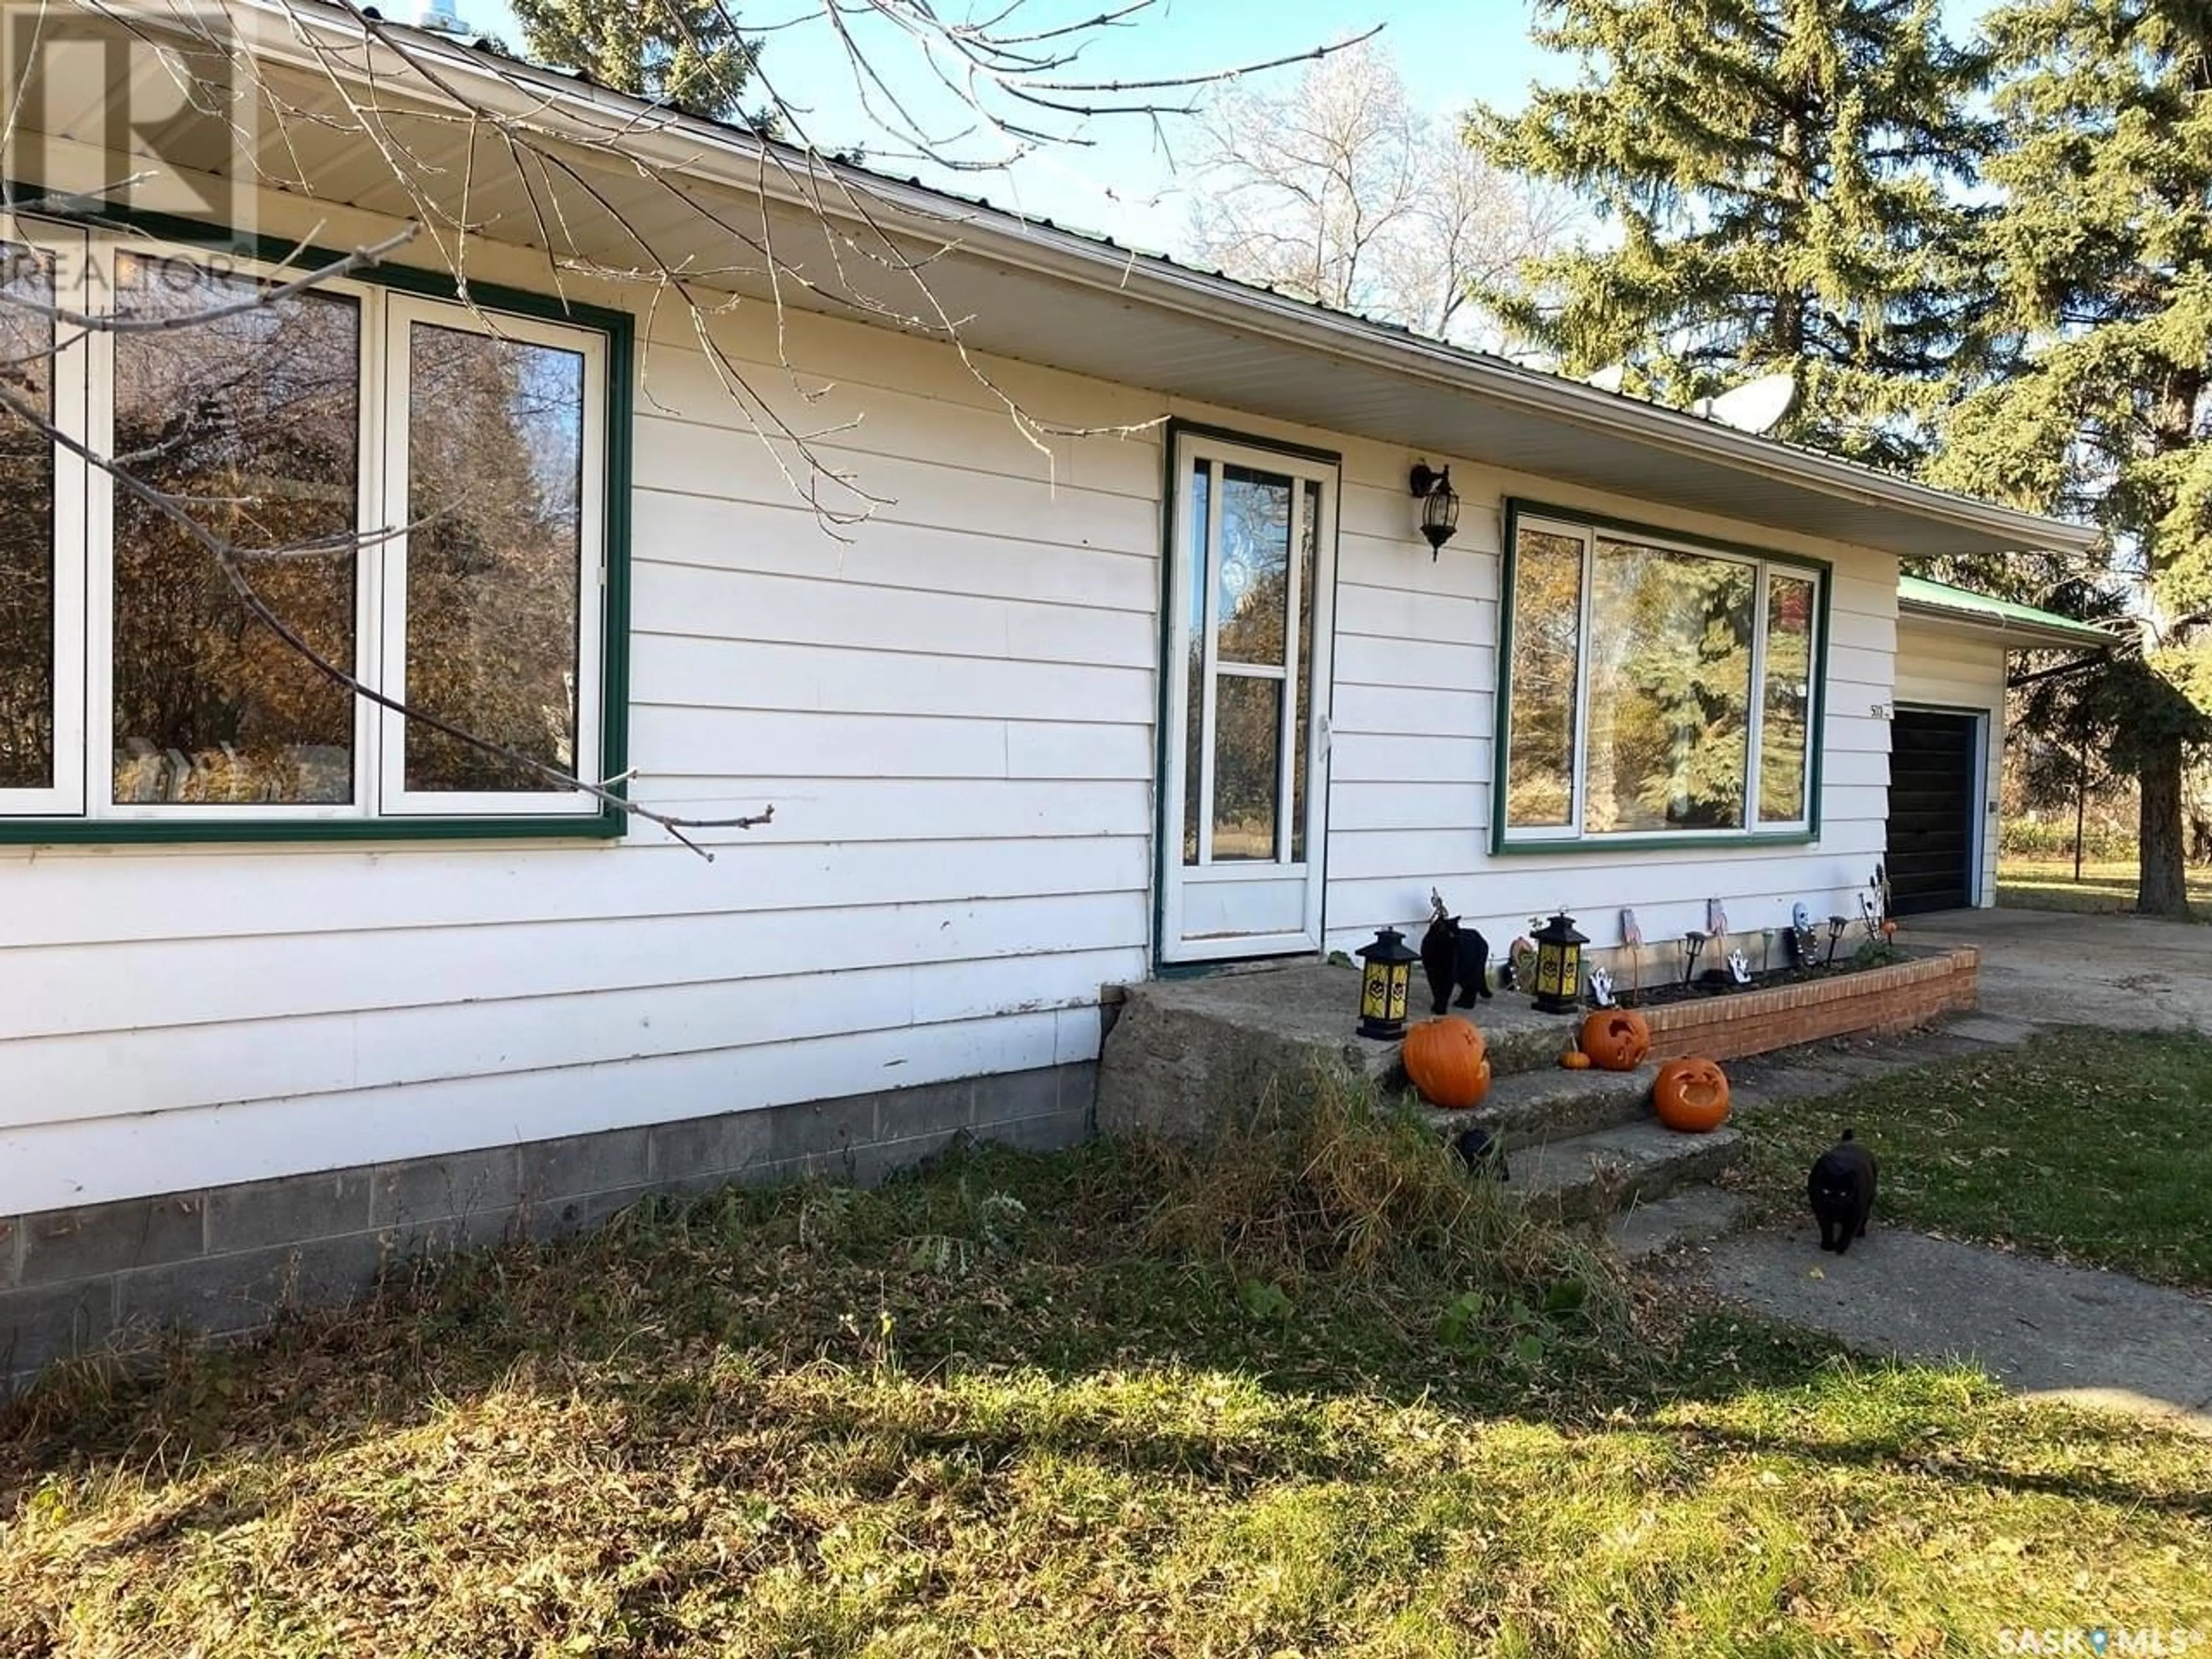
[1947, 738]
[285, 982]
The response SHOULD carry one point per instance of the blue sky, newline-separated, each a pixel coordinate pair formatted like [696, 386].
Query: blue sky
[1452, 53]
[1123, 183]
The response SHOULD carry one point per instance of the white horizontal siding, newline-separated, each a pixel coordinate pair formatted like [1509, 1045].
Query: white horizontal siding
[84, 1161]
[951, 706]
[1939, 667]
[1413, 720]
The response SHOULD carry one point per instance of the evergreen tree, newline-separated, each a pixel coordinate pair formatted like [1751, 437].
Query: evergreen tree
[685, 52]
[2102, 258]
[1785, 180]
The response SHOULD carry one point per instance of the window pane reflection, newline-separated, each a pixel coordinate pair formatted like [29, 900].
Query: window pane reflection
[1670, 690]
[1194, 670]
[250, 422]
[1547, 609]
[1247, 754]
[494, 560]
[1786, 702]
[27, 527]
[1253, 601]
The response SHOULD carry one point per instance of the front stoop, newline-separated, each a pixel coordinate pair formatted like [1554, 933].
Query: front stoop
[1590, 1175]
[1184, 1055]
[1583, 1144]
[1527, 1107]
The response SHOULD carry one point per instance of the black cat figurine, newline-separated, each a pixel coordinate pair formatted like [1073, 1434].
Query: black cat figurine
[1454, 956]
[1482, 1151]
[1841, 1189]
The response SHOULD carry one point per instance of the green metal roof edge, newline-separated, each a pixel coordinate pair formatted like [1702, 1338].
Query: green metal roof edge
[1918, 591]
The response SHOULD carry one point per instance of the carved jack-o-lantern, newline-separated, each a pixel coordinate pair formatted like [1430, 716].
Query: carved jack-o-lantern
[1692, 1096]
[1448, 1062]
[1616, 1039]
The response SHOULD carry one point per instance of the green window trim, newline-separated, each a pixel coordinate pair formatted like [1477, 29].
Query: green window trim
[617, 328]
[1536, 843]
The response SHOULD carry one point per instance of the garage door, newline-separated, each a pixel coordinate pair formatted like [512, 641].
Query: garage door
[1932, 844]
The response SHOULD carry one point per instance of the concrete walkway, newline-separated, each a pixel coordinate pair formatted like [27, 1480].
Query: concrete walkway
[2127, 972]
[2093, 1338]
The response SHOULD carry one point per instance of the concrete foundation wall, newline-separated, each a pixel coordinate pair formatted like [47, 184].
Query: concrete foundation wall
[226, 1260]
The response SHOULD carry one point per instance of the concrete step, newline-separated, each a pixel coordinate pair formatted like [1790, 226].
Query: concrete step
[1519, 1039]
[1606, 1170]
[1691, 1215]
[1552, 1104]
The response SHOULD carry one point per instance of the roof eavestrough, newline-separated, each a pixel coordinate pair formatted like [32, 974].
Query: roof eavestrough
[2021, 626]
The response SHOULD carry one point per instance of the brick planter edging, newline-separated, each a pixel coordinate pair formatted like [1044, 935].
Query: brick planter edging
[1875, 1001]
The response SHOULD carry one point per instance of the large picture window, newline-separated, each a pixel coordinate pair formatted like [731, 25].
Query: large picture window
[1654, 688]
[416, 488]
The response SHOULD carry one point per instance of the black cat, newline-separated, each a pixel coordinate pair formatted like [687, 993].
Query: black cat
[1841, 1189]
[1482, 1151]
[1453, 955]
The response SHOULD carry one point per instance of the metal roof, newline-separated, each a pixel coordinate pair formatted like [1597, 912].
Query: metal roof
[2020, 624]
[1027, 289]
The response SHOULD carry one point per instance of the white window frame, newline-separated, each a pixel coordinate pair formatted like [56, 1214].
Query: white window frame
[65, 796]
[1201, 542]
[1589, 534]
[401, 313]
[84, 522]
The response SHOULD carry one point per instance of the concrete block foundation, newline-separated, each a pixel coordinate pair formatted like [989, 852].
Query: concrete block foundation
[228, 1259]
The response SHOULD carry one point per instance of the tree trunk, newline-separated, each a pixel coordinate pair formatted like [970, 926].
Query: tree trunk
[2161, 886]
[2081, 811]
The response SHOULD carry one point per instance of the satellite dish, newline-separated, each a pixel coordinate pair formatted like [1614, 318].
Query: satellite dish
[1608, 377]
[1756, 406]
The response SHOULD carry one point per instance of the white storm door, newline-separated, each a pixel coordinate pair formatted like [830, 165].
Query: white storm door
[1243, 797]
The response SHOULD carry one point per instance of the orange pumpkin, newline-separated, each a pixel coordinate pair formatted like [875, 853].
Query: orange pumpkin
[1616, 1039]
[1692, 1096]
[1575, 1059]
[1448, 1062]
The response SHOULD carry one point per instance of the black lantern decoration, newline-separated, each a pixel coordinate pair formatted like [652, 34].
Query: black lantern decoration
[1385, 982]
[1694, 946]
[1439, 505]
[1836, 926]
[1558, 965]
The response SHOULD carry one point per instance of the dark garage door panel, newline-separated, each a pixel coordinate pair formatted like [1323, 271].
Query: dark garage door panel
[1932, 812]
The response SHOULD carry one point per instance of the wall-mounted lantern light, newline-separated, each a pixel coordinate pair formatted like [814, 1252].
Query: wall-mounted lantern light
[1439, 505]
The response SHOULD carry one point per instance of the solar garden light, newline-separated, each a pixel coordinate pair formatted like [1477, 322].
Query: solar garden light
[1694, 946]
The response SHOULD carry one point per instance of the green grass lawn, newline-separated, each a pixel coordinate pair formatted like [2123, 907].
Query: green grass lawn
[2092, 1147]
[2104, 889]
[1315, 1392]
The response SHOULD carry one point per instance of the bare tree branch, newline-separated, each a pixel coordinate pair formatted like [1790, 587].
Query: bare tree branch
[598, 188]
[228, 560]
